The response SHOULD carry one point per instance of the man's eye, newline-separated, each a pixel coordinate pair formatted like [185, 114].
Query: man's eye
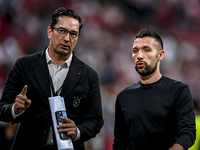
[74, 34]
[135, 51]
[147, 50]
[61, 31]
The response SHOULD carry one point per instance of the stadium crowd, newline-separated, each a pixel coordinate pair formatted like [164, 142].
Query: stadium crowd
[105, 44]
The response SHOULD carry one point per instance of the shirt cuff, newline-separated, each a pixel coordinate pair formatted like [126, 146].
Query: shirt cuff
[13, 112]
[78, 135]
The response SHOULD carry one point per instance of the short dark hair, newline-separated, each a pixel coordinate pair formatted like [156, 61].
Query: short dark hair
[65, 12]
[148, 33]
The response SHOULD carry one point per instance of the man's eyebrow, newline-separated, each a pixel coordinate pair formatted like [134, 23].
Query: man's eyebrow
[136, 47]
[61, 28]
[146, 47]
[66, 29]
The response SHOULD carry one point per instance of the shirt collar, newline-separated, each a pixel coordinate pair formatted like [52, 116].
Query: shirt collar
[49, 60]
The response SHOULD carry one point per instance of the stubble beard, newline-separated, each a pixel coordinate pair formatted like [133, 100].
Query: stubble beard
[64, 52]
[148, 70]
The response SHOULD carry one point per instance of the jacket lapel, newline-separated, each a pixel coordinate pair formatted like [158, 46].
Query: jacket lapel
[74, 74]
[42, 73]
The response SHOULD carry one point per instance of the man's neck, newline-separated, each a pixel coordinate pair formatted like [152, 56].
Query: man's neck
[150, 78]
[57, 58]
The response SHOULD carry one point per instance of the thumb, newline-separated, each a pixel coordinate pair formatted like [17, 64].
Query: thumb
[24, 90]
[28, 103]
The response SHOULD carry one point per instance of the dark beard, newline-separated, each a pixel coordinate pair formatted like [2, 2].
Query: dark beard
[147, 71]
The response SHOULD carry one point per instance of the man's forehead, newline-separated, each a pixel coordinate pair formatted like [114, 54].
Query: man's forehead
[63, 19]
[66, 21]
[144, 41]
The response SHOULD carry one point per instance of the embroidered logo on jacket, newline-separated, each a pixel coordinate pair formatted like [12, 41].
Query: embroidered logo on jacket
[77, 101]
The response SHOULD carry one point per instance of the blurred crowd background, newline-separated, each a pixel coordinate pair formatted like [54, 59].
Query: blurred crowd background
[105, 44]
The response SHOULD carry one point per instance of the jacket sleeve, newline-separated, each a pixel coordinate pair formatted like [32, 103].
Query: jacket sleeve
[185, 117]
[12, 88]
[93, 118]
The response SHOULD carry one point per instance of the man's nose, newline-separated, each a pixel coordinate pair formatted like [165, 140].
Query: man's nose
[140, 55]
[67, 37]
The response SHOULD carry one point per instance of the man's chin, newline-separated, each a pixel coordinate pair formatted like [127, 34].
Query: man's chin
[65, 51]
[139, 71]
[142, 72]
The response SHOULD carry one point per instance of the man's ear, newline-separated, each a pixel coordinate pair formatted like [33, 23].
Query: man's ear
[49, 32]
[161, 55]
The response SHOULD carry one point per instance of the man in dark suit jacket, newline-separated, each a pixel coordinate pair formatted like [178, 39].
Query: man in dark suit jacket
[29, 85]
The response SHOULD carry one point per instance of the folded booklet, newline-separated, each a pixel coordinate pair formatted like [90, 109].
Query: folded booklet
[57, 106]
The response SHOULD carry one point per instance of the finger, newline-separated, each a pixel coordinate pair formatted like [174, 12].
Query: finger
[24, 90]
[28, 103]
[72, 134]
[25, 102]
[19, 105]
[19, 100]
[23, 99]
[18, 108]
[69, 132]
[67, 120]
[67, 126]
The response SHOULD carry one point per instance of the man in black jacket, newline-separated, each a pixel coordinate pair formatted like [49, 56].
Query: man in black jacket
[54, 71]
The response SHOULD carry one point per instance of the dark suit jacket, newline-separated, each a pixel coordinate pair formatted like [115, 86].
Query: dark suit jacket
[81, 83]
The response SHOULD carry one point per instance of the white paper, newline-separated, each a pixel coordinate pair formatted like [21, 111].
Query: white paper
[57, 104]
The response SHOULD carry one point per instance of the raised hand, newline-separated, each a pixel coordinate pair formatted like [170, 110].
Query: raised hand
[21, 101]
